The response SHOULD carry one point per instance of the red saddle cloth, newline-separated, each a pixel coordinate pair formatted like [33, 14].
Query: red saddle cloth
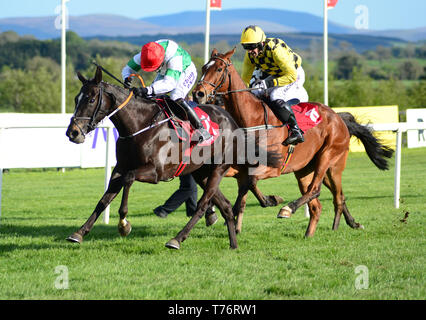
[208, 124]
[307, 115]
[188, 132]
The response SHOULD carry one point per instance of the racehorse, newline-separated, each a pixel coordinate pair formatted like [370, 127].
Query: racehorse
[141, 149]
[320, 159]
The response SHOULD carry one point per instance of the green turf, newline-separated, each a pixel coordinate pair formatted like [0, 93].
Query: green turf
[273, 261]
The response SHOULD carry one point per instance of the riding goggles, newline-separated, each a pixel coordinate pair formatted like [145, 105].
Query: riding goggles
[249, 46]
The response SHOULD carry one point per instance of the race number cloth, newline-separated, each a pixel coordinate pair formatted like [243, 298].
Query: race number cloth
[307, 115]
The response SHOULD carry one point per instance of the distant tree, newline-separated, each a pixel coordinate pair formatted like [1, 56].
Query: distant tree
[370, 55]
[383, 52]
[410, 70]
[8, 36]
[377, 73]
[346, 63]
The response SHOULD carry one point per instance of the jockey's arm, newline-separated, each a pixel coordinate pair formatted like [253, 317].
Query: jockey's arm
[133, 66]
[248, 68]
[285, 61]
[163, 84]
[168, 80]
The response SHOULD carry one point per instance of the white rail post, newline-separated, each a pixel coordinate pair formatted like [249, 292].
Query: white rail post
[325, 36]
[109, 140]
[207, 35]
[397, 168]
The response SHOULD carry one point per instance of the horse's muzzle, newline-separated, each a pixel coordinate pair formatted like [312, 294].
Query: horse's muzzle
[75, 133]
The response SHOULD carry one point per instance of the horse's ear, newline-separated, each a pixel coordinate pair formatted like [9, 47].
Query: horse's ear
[98, 75]
[214, 53]
[81, 77]
[229, 54]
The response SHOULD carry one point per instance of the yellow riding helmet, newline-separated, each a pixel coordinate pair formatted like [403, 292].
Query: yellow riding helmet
[252, 34]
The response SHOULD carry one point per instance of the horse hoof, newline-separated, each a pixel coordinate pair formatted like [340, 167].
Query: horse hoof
[75, 237]
[124, 228]
[173, 244]
[285, 212]
[211, 219]
[278, 199]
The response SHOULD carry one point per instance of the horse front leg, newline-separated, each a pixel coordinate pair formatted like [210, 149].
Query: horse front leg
[124, 226]
[209, 192]
[114, 187]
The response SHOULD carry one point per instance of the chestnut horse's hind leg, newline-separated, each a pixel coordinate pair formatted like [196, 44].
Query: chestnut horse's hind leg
[312, 192]
[333, 181]
[114, 187]
[315, 206]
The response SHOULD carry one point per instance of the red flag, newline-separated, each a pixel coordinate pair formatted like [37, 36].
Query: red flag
[215, 4]
[331, 3]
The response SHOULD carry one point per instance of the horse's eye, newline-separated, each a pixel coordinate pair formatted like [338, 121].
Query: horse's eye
[219, 70]
[92, 100]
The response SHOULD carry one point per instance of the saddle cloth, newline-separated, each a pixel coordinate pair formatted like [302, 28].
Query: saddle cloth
[307, 115]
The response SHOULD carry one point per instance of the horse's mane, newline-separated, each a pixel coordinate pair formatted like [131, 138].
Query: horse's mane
[117, 89]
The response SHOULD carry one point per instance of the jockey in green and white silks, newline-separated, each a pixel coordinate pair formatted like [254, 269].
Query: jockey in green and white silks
[176, 75]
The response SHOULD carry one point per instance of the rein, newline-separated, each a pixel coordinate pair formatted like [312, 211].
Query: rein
[92, 125]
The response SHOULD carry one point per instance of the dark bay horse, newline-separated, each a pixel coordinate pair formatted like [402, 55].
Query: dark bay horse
[320, 159]
[142, 157]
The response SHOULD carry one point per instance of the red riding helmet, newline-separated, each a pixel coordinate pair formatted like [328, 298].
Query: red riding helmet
[152, 56]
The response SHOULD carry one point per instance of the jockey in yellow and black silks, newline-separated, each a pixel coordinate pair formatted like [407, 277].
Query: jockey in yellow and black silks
[273, 67]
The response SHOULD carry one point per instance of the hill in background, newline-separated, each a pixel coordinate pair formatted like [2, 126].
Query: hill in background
[225, 22]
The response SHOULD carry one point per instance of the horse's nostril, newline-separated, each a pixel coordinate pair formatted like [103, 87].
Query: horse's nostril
[74, 134]
[200, 94]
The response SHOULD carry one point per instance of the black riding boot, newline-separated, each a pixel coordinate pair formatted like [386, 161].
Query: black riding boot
[284, 113]
[195, 121]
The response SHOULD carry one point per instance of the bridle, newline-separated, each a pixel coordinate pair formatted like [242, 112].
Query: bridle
[222, 79]
[92, 125]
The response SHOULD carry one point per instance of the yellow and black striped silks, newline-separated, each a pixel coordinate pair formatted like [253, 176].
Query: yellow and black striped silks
[276, 59]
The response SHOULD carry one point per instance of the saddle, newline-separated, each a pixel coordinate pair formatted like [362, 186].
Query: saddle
[182, 128]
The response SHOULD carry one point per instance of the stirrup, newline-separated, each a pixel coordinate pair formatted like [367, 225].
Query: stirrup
[294, 138]
[204, 135]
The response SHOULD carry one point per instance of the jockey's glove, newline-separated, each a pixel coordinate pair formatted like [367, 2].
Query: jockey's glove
[128, 82]
[263, 84]
[140, 92]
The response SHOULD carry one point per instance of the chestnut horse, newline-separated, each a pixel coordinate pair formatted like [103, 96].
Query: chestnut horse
[142, 148]
[320, 159]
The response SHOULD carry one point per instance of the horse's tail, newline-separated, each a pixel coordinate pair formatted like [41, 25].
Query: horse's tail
[376, 151]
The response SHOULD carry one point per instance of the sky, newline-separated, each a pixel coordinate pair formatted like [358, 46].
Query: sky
[368, 14]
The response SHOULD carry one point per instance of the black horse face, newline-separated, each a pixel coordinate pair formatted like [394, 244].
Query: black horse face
[88, 108]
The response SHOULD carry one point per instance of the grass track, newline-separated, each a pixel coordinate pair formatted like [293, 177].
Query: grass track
[273, 261]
